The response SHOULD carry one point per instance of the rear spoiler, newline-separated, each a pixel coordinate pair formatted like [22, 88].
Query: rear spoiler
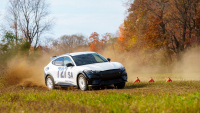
[53, 57]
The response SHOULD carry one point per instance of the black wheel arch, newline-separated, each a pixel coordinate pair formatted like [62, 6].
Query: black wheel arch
[50, 76]
[81, 73]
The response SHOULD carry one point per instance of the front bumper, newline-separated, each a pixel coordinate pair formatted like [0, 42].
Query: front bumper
[108, 77]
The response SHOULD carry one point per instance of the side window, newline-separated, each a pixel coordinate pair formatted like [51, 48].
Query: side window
[58, 62]
[67, 60]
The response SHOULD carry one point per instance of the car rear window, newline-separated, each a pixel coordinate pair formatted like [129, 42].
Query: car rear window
[59, 61]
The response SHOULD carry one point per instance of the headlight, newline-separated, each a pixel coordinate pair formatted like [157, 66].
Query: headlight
[123, 68]
[124, 77]
[91, 72]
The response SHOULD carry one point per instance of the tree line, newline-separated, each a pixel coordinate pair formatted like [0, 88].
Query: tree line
[172, 26]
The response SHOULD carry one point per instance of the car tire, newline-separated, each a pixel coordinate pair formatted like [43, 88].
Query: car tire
[82, 83]
[50, 82]
[120, 85]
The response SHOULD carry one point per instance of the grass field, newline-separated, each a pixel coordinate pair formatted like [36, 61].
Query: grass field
[177, 96]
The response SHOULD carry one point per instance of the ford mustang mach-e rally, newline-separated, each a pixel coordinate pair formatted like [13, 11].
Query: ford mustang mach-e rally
[83, 70]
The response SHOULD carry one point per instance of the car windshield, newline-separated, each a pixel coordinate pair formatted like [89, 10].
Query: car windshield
[85, 59]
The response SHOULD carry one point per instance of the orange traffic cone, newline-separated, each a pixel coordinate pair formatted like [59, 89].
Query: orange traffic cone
[151, 80]
[137, 80]
[169, 80]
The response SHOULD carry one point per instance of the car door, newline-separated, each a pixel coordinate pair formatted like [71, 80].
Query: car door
[58, 70]
[70, 76]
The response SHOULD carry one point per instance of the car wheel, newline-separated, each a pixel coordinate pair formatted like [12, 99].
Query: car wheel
[120, 85]
[82, 83]
[50, 83]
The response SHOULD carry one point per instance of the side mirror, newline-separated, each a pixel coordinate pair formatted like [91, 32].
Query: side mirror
[69, 65]
[109, 59]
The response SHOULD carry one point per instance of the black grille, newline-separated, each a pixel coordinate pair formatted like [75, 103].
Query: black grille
[110, 74]
[113, 81]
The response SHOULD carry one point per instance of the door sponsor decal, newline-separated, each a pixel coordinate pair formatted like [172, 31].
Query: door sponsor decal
[62, 73]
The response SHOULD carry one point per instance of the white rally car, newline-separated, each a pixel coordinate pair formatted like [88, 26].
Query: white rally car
[83, 70]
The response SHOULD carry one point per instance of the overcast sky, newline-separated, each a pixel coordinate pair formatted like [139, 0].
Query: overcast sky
[82, 16]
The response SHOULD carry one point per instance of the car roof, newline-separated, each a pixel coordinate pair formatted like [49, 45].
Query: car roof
[70, 54]
[76, 53]
[79, 53]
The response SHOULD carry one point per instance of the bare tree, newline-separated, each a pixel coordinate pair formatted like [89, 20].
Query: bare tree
[30, 18]
[68, 43]
[71, 42]
[13, 11]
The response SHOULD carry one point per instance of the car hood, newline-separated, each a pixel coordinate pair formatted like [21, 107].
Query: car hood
[102, 66]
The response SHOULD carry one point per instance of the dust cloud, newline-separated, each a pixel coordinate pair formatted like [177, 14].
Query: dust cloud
[154, 64]
[189, 67]
[138, 64]
[27, 71]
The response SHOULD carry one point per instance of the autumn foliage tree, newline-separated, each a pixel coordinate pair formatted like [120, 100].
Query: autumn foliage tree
[167, 25]
[122, 42]
[97, 44]
[94, 42]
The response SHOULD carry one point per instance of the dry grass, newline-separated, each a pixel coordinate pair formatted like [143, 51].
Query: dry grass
[178, 96]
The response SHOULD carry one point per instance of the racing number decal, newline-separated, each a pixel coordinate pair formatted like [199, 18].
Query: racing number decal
[70, 75]
[62, 73]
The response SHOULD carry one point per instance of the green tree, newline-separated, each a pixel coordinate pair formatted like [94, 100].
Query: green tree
[7, 42]
[10, 47]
